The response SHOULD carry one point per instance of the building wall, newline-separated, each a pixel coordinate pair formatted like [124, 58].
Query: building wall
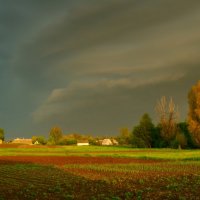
[83, 144]
[22, 141]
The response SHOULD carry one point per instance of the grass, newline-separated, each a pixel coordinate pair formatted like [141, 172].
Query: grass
[110, 151]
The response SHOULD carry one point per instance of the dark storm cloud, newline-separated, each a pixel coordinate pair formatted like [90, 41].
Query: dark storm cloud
[92, 105]
[88, 65]
[114, 28]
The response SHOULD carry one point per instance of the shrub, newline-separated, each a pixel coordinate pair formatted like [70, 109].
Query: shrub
[67, 141]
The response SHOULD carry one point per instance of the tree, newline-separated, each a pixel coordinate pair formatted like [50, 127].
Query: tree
[194, 113]
[183, 128]
[34, 139]
[65, 140]
[55, 135]
[2, 137]
[142, 134]
[40, 139]
[124, 137]
[168, 115]
[182, 140]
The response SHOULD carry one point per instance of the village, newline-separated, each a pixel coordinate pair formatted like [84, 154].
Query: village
[28, 141]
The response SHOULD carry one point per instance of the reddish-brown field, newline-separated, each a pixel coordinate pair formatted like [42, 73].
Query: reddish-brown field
[96, 178]
[64, 160]
[26, 146]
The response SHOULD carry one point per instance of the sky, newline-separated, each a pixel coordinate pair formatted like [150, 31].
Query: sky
[94, 66]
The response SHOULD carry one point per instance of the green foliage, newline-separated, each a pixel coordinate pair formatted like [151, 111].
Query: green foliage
[174, 144]
[93, 141]
[40, 139]
[163, 144]
[125, 137]
[142, 134]
[67, 141]
[138, 142]
[183, 128]
[55, 135]
[2, 137]
[157, 141]
[182, 140]
[72, 139]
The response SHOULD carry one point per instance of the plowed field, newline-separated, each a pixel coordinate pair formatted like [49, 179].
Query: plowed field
[63, 160]
[96, 177]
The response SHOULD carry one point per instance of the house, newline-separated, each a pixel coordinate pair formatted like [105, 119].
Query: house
[22, 141]
[107, 142]
[36, 142]
[82, 143]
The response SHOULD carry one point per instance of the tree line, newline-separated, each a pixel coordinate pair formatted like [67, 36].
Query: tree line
[168, 132]
[56, 137]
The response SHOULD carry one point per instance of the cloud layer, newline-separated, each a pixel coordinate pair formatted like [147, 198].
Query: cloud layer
[94, 66]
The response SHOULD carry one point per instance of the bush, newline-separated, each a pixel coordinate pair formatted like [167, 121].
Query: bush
[183, 129]
[162, 144]
[182, 140]
[67, 141]
[174, 144]
[93, 142]
[40, 139]
[138, 142]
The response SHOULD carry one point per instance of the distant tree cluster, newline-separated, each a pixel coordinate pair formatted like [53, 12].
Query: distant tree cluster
[39, 140]
[147, 135]
[56, 137]
[168, 132]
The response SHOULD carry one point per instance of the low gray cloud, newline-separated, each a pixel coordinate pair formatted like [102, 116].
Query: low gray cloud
[93, 105]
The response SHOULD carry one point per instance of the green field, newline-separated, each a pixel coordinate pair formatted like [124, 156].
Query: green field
[97, 172]
[113, 151]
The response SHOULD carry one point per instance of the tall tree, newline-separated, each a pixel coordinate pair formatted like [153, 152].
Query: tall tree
[194, 112]
[143, 132]
[2, 137]
[55, 135]
[168, 115]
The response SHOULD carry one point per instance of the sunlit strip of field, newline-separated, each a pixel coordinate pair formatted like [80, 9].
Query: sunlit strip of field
[166, 154]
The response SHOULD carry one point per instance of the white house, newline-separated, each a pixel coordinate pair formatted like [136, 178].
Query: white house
[22, 141]
[36, 142]
[107, 142]
[83, 143]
